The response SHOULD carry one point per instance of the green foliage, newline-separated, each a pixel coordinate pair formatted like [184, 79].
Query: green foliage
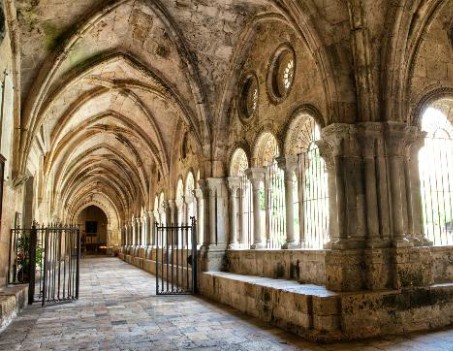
[23, 256]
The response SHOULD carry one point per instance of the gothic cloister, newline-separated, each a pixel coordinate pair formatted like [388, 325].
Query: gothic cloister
[310, 140]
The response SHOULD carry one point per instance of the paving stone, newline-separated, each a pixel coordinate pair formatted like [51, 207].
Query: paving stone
[121, 313]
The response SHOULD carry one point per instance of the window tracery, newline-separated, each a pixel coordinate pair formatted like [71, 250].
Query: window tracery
[282, 73]
[249, 97]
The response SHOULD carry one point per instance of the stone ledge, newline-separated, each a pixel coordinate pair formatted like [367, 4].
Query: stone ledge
[320, 315]
[308, 310]
[13, 299]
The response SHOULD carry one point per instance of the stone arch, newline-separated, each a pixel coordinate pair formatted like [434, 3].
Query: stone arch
[300, 130]
[410, 24]
[239, 163]
[429, 97]
[266, 149]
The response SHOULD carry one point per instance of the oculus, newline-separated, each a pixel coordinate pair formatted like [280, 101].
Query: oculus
[281, 73]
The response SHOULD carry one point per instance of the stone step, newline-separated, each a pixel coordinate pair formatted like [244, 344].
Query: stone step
[13, 299]
[321, 315]
[309, 310]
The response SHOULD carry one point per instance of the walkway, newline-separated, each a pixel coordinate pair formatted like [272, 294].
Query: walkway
[118, 310]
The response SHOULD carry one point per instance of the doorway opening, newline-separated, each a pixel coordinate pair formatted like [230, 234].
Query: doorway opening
[93, 227]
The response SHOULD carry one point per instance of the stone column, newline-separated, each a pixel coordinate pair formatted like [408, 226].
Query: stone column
[218, 211]
[198, 193]
[289, 164]
[243, 220]
[171, 212]
[145, 228]
[339, 146]
[138, 223]
[233, 187]
[413, 174]
[151, 227]
[133, 229]
[397, 140]
[256, 177]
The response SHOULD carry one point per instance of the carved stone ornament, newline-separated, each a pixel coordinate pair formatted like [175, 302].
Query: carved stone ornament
[248, 98]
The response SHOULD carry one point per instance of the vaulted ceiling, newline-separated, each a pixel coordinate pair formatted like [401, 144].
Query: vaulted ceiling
[109, 87]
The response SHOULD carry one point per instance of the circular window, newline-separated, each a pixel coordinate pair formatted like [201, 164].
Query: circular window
[281, 74]
[249, 96]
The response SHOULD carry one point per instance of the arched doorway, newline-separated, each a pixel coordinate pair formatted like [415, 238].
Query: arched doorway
[93, 227]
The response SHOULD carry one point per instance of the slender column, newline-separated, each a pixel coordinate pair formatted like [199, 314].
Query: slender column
[133, 230]
[198, 193]
[233, 187]
[244, 220]
[268, 175]
[256, 177]
[151, 226]
[171, 212]
[301, 198]
[289, 165]
[145, 226]
[396, 147]
[416, 217]
[218, 212]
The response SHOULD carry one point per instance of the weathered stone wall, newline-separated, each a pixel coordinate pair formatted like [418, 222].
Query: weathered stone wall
[304, 266]
[11, 198]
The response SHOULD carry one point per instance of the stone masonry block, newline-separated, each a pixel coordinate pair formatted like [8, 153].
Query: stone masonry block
[325, 306]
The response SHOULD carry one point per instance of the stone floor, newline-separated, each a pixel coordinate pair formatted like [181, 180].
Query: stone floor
[118, 310]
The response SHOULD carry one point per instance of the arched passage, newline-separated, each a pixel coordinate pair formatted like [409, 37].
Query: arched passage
[94, 230]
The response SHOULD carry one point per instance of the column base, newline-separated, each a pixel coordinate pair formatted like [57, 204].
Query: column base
[211, 259]
[291, 246]
[402, 242]
[257, 246]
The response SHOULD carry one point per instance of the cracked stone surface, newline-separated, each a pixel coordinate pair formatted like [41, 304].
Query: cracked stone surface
[118, 310]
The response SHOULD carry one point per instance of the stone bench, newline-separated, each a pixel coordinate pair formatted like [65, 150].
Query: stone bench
[305, 309]
[320, 315]
[12, 300]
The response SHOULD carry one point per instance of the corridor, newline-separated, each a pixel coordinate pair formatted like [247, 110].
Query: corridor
[118, 310]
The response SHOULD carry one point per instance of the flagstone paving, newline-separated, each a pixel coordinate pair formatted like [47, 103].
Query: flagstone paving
[119, 311]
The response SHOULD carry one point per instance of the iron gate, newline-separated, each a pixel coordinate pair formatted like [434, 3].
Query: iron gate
[176, 259]
[48, 259]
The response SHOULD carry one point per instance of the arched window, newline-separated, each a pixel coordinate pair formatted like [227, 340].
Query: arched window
[244, 216]
[436, 172]
[311, 203]
[272, 192]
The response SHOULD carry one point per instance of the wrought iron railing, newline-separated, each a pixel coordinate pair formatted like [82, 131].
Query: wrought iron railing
[176, 259]
[48, 259]
[436, 181]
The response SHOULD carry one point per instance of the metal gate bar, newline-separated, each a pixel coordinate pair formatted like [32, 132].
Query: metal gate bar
[48, 259]
[176, 257]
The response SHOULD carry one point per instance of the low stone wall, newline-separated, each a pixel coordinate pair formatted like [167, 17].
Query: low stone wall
[304, 266]
[320, 315]
[442, 267]
[12, 300]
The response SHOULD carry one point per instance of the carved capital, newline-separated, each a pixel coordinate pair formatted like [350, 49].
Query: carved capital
[288, 163]
[198, 193]
[233, 184]
[256, 176]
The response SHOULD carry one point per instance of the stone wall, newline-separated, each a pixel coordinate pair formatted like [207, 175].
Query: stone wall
[8, 128]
